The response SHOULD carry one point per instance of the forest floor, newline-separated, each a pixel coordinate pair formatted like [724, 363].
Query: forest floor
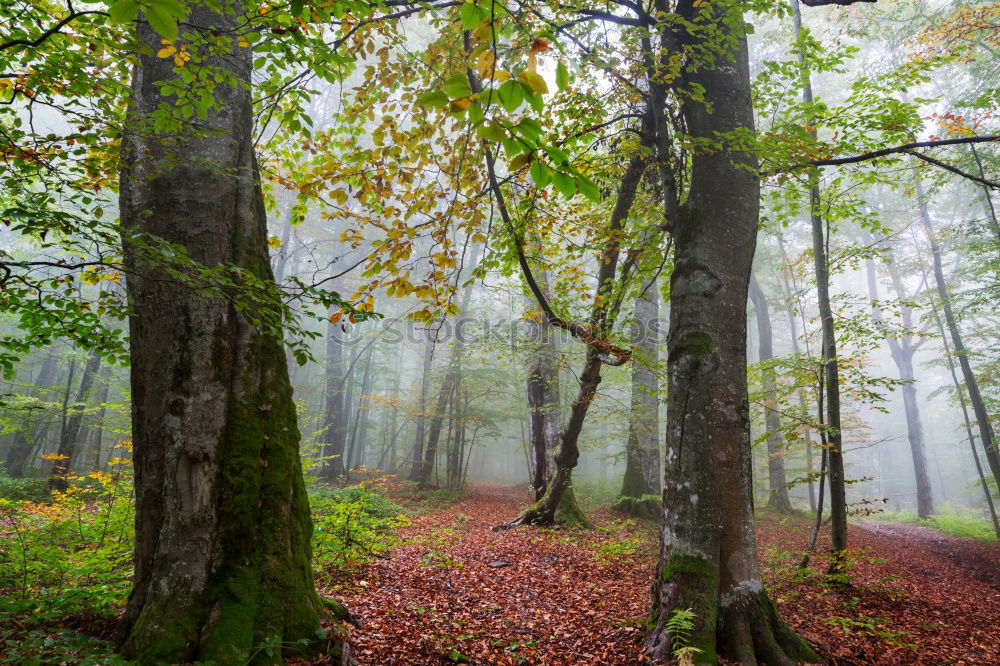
[458, 592]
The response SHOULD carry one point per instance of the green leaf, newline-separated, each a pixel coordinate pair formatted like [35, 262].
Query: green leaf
[475, 114]
[562, 75]
[565, 183]
[530, 129]
[162, 22]
[535, 101]
[558, 156]
[511, 95]
[297, 6]
[123, 11]
[435, 99]
[588, 188]
[491, 132]
[540, 174]
[457, 86]
[470, 15]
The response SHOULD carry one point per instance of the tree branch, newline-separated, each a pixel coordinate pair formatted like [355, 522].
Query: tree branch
[900, 149]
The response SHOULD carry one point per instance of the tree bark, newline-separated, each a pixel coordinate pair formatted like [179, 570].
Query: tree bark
[641, 484]
[971, 383]
[777, 485]
[222, 555]
[543, 397]
[708, 555]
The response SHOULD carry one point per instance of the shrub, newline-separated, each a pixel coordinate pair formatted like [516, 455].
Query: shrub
[352, 525]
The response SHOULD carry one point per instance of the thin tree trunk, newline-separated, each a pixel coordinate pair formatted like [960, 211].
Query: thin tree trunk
[69, 436]
[417, 465]
[543, 396]
[834, 438]
[93, 461]
[966, 421]
[777, 485]
[641, 483]
[22, 444]
[971, 383]
[223, 528]
[902, 350]
[559, 496]
[335, 420]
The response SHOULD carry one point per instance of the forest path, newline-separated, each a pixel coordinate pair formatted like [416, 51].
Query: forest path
[549, 597]
[579, 597]
[980, 560]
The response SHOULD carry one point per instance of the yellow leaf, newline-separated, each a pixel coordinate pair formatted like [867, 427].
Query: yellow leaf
[500, 75]
[166, 51]
[242, 42]
[486, 64]
[460, 104]
[335, 317]
[534, 81]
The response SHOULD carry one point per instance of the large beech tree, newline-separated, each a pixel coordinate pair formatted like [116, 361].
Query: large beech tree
[222, 557]
[708, 556]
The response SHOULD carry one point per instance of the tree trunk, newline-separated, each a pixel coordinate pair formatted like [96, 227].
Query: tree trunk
[543, 397]
[778, 497]
[831, 369]
[708, 555]
[902, 348]
[417, 464]
[641, 484]
[69, 436]
[222, 555]
[559, 497]
[966, 421]
[93, 461]
[22, 444]
[971, 383]
[335, 421]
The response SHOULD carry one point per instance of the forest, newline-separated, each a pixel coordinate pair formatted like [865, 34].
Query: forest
[375, 332]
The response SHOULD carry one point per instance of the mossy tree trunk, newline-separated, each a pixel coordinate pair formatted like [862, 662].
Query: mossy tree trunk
[708, 557]
[641, 484]
[778, 490]
[222, 556]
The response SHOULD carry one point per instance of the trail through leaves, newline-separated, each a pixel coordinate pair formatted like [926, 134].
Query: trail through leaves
[457, 592]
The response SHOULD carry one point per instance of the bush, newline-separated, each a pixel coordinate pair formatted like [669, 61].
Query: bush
[72, 555]
[31, 489]
[352, 525]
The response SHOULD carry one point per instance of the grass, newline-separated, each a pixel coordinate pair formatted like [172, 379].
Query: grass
[947, 521]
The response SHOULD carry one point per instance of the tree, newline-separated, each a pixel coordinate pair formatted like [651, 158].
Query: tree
[69, 435]
[708, 556]
[222, 557]
[903, 346]
[641, 483]
[778, 496]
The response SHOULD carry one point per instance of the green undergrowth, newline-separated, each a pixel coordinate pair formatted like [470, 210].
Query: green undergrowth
[963, 525]
[353, 525]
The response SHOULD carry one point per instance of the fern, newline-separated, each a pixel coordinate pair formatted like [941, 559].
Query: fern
[680, 624]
